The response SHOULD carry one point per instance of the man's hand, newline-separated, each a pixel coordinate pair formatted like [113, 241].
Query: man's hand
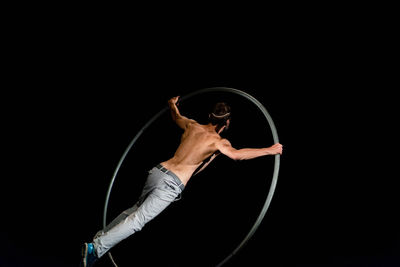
[275, 149]
[173, 100]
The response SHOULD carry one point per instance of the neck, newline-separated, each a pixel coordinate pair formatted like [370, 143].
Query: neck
[211, 127]
[215, 128]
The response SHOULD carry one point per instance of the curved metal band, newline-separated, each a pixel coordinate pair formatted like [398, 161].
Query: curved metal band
[274, 177]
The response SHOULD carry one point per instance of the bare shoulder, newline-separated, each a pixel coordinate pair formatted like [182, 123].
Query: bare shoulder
[222, 142]
[193, 122]
[190, 123]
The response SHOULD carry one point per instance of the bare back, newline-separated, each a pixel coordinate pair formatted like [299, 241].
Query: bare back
[198, 142]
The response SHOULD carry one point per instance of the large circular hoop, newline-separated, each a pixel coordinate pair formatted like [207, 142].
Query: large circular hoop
[274, 176]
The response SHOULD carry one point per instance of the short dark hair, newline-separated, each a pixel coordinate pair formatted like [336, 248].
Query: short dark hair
[220, 114]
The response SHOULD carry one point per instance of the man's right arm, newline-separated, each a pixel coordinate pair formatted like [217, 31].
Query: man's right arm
[225, 147]
[180, 120]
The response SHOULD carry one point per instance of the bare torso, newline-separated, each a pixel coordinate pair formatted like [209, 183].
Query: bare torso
[198, 142]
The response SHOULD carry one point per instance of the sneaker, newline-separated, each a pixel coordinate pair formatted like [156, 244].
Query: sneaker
[89, 256]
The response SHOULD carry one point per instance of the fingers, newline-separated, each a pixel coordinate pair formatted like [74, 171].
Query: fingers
[279, 148]
[174, 100]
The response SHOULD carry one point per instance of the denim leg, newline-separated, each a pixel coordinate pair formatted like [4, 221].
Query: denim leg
[132, 220]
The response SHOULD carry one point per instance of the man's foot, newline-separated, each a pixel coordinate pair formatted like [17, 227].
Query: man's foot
[89, 256]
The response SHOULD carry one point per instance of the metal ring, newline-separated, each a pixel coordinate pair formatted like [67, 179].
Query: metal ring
[274, 176]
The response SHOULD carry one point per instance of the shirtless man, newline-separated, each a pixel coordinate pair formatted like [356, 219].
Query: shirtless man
[167, 180]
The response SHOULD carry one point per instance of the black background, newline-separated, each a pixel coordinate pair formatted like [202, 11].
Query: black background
[76, 102]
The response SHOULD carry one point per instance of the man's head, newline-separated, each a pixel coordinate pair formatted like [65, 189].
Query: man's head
[220, 116]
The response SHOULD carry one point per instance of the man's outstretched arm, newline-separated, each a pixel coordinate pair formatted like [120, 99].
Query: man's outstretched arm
[180, 120]
[225, 147]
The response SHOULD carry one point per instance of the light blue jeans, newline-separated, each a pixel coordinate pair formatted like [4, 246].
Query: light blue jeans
[162, 187]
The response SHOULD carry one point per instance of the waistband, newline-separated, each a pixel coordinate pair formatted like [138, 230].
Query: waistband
[173, 175]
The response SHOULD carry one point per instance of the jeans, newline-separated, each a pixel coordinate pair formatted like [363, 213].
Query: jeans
[162, 187]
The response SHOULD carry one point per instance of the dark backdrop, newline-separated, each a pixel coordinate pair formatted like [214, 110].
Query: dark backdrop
[74, 111]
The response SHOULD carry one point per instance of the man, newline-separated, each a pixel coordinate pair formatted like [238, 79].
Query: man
[167, 180]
